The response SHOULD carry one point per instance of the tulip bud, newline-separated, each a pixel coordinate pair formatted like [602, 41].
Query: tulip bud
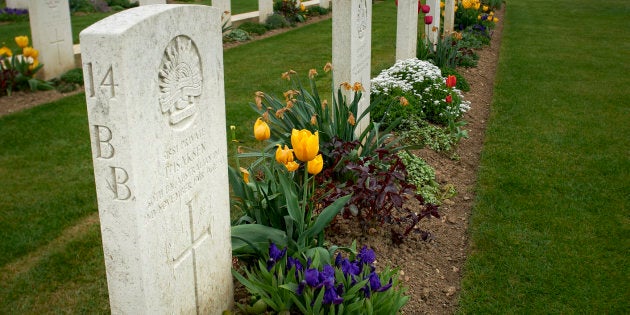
[449, 99]
[315, 165]
[261, 130]
[245, 175]
[428, 19]
[292, 166]
[426, 9]
[21, 41]
[451, 81]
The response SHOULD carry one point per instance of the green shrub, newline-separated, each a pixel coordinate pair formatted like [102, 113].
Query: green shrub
[73, 76]
[81, 6]
[237, 35]
[276, 21]
[417, 132]
[421, 175]
[317, 10]
[253, 28]
[122, 3]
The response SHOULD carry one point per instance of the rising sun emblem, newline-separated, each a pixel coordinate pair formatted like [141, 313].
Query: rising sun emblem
[180, 81]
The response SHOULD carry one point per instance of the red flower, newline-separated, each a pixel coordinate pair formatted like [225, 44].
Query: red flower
[425, 8]
[428, 19]
[449, 99]
[451, 81]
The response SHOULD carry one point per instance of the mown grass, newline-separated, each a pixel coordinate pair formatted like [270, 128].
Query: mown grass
[46, 168]
[550, 229]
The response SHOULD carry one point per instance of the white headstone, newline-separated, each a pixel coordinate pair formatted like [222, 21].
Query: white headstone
[147, 2]
[265, 9]
[324, 3]
[226, 10]
[156, 110]
[434, 28]
[17, 4]
[449, 16]
[406, 29]
[352, 48]
[52, 36]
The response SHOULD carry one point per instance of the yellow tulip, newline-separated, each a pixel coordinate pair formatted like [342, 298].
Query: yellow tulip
[292, 166]
[30, 52]
[245, 175]
[284, 156]
[33, 65]
[21, 41]
[495, 20]
[305, 144]
[485, 8]
[261, 130]
[315, 165]
[5, 51]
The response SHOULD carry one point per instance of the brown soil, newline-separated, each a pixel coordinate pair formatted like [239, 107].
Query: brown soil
[431, 270]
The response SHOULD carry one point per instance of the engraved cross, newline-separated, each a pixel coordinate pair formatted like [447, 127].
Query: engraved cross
[57, 41]
[194, 244]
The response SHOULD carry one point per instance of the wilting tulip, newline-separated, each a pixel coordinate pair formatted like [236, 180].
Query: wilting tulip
[351, 120]
[21, 41]
[284, 156]
[449, 99]
[261, 130]
[292, 166]
[305, 144]
[315, 165]
[428, 19]
[451, 81]
[245, 175]
[403, 101]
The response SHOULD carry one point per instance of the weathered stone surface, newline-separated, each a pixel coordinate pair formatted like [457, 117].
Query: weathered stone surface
[156, 111]
[352, 49]
[406, 29]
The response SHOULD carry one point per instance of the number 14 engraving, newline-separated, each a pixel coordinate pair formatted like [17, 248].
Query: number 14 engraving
[107, 83]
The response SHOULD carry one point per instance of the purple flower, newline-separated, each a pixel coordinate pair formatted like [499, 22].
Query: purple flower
[300, 288]
[311, 276]
[275, 255]
[351, 268]
[338, 260]
[331, 296]
[366, 256]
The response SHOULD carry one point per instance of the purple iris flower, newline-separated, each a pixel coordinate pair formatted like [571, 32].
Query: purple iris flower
[351, 268]
[374, 285]
[338, 260]
[294, 262]
[275, 255]
[331, 296]
[311, 276]
[366, 256]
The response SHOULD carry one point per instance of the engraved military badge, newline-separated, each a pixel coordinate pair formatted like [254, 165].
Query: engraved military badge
[180, 81]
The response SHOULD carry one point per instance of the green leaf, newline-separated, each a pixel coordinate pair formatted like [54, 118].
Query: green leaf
[324, 218]
[259, 236]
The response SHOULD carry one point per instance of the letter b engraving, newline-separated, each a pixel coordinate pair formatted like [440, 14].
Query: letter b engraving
[103, 136]
[119, 183]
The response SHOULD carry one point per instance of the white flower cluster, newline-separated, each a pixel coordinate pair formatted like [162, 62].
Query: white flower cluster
[404, 74]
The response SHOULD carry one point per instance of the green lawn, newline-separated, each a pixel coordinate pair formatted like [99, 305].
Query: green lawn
[47, 180]
[551, 228]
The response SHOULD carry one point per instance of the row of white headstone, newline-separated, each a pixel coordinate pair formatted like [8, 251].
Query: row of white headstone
[156, 109]
[51, 29]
